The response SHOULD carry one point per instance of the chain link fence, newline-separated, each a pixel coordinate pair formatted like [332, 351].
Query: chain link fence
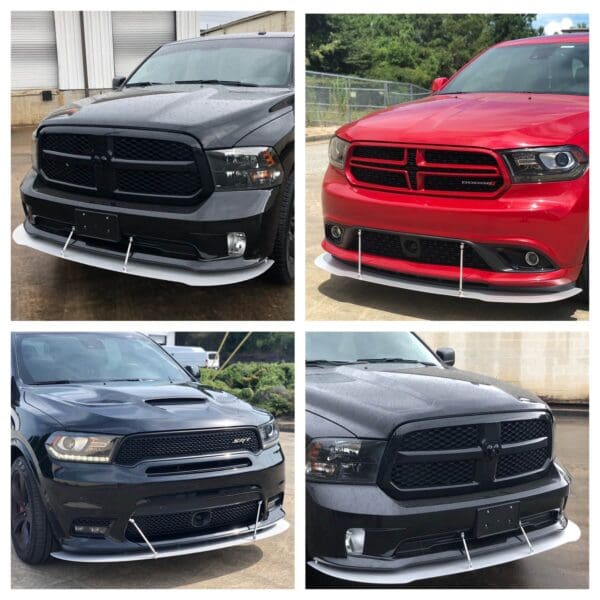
[332, 100]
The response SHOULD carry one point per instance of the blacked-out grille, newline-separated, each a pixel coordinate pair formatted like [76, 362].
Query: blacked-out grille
[419, 249]
[183, 524]
[136, 448]
[513, 432]
[510, 465]
[442, 438]
[433, 474]
[123, 167]
[437, 458]
[421, 170]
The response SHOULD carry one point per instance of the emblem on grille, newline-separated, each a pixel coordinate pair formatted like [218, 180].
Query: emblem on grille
[201, 519]
[241, 440]
[490, 449]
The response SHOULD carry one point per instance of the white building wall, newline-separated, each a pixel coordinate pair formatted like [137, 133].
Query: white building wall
[99, 49]
[69, 49]
[187, 24]
[552, 364]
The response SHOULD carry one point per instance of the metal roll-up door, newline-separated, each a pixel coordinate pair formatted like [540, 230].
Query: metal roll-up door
[34, 62]
[136, 34]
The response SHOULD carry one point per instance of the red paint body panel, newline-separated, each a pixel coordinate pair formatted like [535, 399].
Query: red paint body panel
[551, 217]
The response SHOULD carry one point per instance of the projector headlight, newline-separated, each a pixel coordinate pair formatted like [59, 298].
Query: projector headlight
[245, 168]
[534, 165]
[344, 460]
[81, 447]
[269, 433]
[338, 149]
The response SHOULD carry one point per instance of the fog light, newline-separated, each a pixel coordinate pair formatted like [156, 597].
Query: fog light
[90, 530]
[355, 541]
[532, 259]
[236, 243]
[336, 232]
[274, 502]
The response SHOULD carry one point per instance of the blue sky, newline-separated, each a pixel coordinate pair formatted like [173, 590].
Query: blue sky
[556, 22]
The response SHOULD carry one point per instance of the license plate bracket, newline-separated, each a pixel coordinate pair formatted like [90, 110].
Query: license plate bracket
[102, 226]
[500, 518]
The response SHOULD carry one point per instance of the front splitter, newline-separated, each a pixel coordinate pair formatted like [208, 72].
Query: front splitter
[110, 263]
[426, 567]
[246, 537]
[336, 267]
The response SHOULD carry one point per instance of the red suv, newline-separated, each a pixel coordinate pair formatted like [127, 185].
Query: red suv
[479, 190]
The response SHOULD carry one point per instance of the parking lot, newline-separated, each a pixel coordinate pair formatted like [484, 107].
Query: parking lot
[48, 288]
[267, 564]
[564, 567]
[331, 297]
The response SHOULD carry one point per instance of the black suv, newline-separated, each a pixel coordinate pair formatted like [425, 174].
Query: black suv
[185, 172]
[119, 454]
[415, 469]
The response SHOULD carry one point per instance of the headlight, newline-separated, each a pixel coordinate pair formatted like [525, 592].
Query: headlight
[338, 148]
[349, 460]
[245, 168]
[269, 433]
[533, 165]
[34, 151]
[81, 447]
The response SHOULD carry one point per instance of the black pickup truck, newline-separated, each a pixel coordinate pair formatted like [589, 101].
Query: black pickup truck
[415, 469]
[118, 454]
[184, 172]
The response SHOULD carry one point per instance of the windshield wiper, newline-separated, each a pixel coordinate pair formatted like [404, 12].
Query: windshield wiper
[145, 83]
[408, 361]
[217, 81]
[54, 382]
[320, 362]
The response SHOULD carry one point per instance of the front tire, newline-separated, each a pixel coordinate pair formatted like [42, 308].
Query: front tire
[30, 530]
[283, 254]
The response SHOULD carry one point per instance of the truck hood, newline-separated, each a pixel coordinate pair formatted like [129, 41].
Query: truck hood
[496, 121]
[218, 116]
[137, 408]
[371, 401]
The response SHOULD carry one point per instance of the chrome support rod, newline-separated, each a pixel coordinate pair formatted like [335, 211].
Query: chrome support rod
[128, 254]
[525, 536]
[359, 253]
[460, 277]
[64, 249]
[132, 521]
[464, 541]
[257, 519]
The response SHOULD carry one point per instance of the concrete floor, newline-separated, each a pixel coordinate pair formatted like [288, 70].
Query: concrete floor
[329, 297]
[564, 567]
[48, 288]
[267, 564]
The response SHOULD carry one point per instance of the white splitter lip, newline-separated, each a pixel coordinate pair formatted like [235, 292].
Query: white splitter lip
[336, 267]
[21, 237]
[246, 538]
[479, 560]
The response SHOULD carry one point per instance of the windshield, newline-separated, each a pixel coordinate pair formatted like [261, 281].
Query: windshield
[45, 358]
[530, 68]
[256, 61]
[353, 347]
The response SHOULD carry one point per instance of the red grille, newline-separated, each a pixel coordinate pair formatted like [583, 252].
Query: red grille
[446, 171]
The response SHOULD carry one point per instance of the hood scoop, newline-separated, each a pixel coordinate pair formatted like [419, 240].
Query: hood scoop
[176, 401]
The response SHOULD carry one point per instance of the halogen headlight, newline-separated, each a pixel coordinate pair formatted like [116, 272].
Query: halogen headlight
[344, 460]
[81, 447]
[338, 148]
[245, 168]
[34, 151]
[533, 165]
[269, 433]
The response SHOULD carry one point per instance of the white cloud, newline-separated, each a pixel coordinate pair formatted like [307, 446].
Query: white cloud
[557, 26]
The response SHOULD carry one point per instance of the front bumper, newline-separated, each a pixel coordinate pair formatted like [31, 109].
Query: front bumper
[550, 218]
[115, 494]
[173, 243]
[419, 538]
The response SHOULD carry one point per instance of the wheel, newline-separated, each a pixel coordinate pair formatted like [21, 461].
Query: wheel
[583, 281]
[30, 529]
[282, 270]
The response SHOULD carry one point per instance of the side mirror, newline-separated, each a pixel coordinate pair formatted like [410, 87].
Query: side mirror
[194, 373]
[446, 355]
[438, 83]
[118, 82]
